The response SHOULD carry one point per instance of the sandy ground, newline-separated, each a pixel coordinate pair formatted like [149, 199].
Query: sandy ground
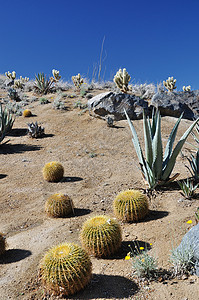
[99, 162]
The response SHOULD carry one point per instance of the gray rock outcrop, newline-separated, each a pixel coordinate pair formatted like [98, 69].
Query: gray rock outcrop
[110, 103]
[175, 103]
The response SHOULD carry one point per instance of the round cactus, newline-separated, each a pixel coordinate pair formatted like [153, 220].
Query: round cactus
[59, 205]
[131, 206]
[65, 269]
[2, 244]
[53, 171]
[101, 236]
[27, 113]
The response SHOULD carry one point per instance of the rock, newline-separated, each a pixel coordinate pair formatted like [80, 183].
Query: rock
[110, 103]
[173, 104]
[191, 238]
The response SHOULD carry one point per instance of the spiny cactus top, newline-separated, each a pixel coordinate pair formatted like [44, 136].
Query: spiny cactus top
[130, 206]
[59, 205]
[53, 171]
[101, 236]
[65, 269]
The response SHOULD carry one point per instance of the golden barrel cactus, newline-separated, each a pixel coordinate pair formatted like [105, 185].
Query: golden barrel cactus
[59, 205]
[65, 269]
[131, 206]
[2, 244]
[27, 113]
[101, 236]
[53, 171]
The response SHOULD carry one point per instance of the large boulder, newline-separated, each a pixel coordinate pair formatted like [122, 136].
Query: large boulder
[113, 104]
[175, 103]
[191, 239]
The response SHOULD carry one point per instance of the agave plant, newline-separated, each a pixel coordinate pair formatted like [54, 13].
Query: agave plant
[35, 131]
[156, 168]
[194, 165]
[187, 188]
[43, 85]
[6, 122]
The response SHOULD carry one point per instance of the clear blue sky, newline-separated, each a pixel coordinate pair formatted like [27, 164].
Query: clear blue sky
[152, 39]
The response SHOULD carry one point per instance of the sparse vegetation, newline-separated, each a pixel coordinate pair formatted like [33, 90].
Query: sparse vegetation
[188, 188]
[35, 131]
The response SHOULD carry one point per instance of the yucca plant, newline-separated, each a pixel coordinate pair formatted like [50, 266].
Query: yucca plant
[156, 168]
[187, 188]
[43, 85]
[6, 122]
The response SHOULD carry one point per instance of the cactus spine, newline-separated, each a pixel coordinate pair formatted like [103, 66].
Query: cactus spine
[53, 171]
[122, 79]
[170, 84]
[101, 236]
[59, 205]
[2, 244]
[130, 206]
[65, 269]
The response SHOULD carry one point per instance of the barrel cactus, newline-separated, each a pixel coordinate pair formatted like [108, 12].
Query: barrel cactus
[2, 244]
[59, 205]
[101, 236]
[27, 113]
[65, 269]
[131, 206]
[53, 171]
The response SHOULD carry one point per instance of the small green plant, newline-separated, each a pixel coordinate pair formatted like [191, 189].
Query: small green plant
[156, 168]
[182, 259]
[122, 79]
[2, 244]
[43, 85]
[101, 236]
[65, 269]
[59, 205]
[13, 95]
[170, 84]
[144, 265]
[35, 131]
[53, 171]
[131, 206]
[188, 188]
[43, 100]
[6, 122]
[58, 104]
[79, 104]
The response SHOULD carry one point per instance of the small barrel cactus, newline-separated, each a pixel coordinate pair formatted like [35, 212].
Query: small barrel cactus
[53, 171]
[59, 205]
[131, 206]
[65, 269]
[27, 113]
[2, 244]
[101, 236]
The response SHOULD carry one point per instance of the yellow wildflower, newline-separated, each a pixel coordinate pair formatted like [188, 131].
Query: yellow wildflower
[127, 257]
[189, 222]
[141, 248]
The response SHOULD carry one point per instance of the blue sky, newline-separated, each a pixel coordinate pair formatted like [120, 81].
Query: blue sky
[152, 39]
